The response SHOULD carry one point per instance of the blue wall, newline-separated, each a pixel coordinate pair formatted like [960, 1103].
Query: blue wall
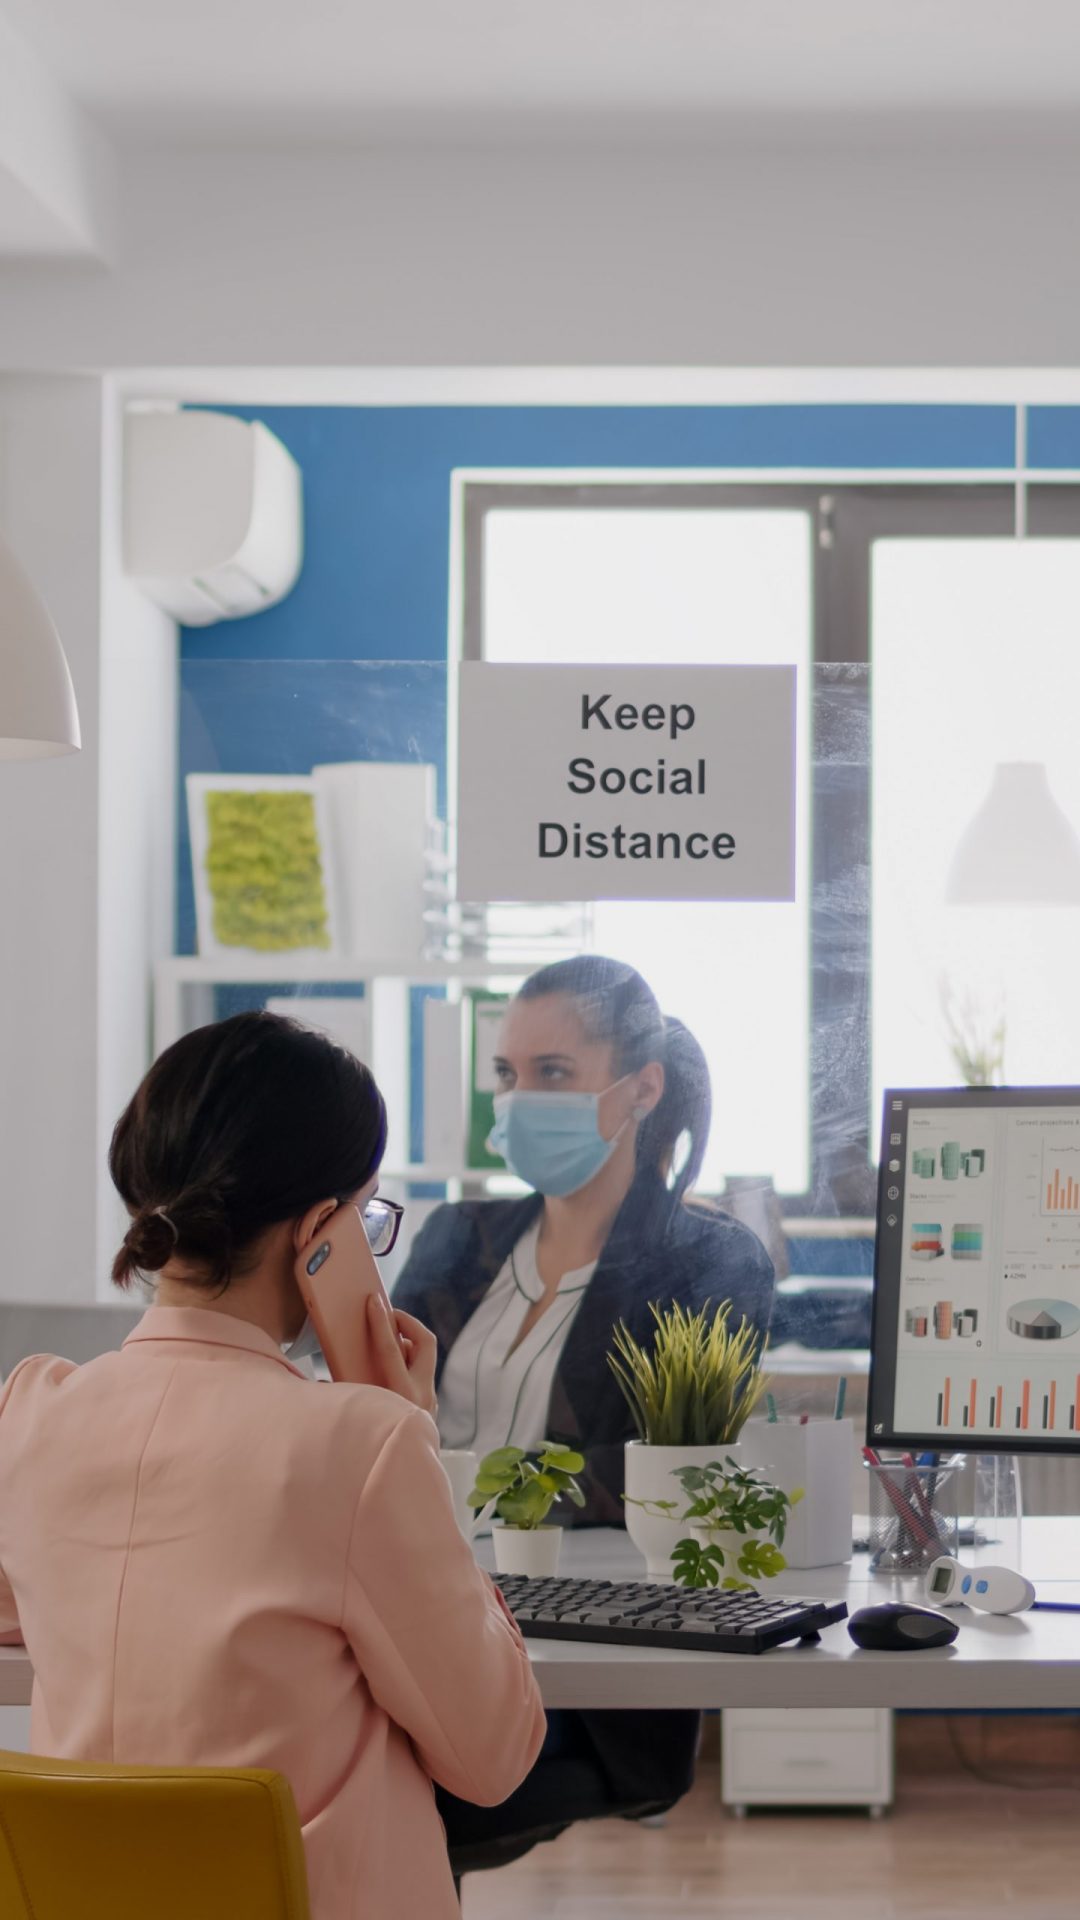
[1053, 437]
[377, 485]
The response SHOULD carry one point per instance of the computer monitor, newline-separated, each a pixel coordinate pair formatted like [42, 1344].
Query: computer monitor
[976, 1328]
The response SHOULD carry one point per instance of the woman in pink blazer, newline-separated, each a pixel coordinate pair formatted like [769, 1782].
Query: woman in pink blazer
[213, 1559]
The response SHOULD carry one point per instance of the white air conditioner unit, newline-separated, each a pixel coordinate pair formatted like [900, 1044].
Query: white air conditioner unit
[213, 514]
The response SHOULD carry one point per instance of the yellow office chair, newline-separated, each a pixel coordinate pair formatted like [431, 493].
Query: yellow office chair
[85, 1842]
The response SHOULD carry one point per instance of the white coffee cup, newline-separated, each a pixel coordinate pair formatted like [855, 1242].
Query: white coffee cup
[460, 1466]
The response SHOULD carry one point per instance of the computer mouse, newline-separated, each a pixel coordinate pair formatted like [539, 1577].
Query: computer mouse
[898, 1626]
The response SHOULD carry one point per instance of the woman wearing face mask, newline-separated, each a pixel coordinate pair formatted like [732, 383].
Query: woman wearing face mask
[604, 1112]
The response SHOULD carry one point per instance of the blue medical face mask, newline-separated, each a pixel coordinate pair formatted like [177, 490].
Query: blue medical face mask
[552, 1141]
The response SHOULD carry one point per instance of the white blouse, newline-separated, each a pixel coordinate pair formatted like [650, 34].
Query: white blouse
[489, 1396]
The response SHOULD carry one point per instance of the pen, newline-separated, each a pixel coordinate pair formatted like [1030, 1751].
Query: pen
[841, 1396]
[771, 1404]
[917, 1493]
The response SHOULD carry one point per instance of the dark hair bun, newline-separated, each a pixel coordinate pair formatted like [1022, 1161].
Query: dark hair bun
[194, 1227]
[149, 1244]
[237, 1127]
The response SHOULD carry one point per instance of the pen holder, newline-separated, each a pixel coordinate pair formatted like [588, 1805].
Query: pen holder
[816, 1456]
[913, 1515]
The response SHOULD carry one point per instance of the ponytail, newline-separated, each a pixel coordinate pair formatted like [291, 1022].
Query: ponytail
[616, 1004]
[677, 1129]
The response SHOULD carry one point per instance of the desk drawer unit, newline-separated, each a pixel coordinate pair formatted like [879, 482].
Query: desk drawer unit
[796, 1757]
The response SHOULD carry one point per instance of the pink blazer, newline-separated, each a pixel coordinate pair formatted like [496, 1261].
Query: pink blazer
[214, 1560]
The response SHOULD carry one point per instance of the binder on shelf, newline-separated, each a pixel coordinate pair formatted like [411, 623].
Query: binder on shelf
[380, 814]
[486, 1013]
[444, 1082]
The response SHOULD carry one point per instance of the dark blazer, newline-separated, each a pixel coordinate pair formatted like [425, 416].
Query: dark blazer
[658, 1250]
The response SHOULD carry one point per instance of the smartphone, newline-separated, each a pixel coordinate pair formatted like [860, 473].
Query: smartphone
[337, 1273]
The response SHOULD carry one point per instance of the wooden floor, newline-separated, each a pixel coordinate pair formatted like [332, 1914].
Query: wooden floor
[953, 1848]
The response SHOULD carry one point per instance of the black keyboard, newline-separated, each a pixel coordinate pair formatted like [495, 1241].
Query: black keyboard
[640, 1613]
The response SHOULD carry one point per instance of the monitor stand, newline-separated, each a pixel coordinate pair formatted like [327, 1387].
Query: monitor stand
[997, 1511]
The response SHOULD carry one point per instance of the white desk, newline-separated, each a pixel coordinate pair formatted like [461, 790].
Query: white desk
[1022, 1661]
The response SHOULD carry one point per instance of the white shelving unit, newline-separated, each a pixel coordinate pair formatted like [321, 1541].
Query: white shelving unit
[184, 985]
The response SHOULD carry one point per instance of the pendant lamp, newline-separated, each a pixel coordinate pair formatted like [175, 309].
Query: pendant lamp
[1019, 848]
[38, 714]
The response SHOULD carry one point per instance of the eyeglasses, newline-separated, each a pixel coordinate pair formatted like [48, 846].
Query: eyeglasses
[382, 1223]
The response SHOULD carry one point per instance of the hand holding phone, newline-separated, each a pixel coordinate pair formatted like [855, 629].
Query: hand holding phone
[337, 1276]
[406, 1352]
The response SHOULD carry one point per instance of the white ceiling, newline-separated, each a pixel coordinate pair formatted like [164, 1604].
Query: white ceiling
[86, 85]
[240, 71]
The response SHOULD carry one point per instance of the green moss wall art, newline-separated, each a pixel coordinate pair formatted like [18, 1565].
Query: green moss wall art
[261, 869]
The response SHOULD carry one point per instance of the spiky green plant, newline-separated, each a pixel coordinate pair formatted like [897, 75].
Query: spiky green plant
[698, 1381]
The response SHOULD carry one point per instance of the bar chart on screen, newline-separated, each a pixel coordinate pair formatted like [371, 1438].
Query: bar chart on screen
[1061, 1180]
[1023, 1405]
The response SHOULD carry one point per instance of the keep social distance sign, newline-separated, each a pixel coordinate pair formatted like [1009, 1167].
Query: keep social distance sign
[625, 783]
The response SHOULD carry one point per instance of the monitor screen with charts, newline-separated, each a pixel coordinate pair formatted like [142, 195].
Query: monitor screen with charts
[976, 1335]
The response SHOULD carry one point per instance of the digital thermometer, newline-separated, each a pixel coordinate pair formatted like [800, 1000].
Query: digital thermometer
[989, 1589]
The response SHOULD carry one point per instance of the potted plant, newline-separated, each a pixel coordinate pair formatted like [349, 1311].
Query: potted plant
[521, 1489]
[690, 1392]
[737, 1522]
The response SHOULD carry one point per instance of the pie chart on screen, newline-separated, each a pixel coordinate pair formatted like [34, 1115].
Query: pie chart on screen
[1043, 1319]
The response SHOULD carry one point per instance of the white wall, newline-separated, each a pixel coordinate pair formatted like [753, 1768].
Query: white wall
[821, 257]
[137, 831]
[57, 172]
[50, 510]
[86, 847]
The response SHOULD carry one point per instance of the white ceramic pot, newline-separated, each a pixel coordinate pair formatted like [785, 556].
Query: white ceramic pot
[730, 1543]
[533, 1551]
[649, 1473]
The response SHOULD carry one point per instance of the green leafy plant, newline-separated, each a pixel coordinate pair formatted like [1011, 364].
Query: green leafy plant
[697, 1383]
[525, 1488]
[264, 870]
[723, 1497]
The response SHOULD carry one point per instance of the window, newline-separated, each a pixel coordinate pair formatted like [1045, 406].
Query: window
[976, 665]
[691, 584]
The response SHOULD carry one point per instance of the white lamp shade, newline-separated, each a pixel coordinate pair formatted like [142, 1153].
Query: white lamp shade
[38, 714]
[1019, 848]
